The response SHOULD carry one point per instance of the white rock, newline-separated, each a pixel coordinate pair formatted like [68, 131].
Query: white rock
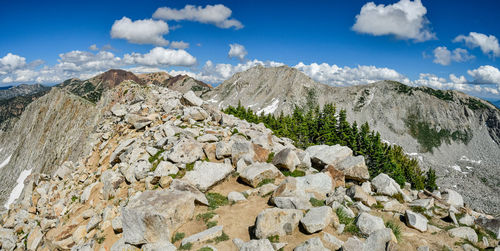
[313, 244]
[203, 236]
[253, 245]
[257, 172]
[332, 242]
[323, 155]
[235, 197]
[368, 223]
[206, 174]
[453, 198]
[316, 219]
[416, 221]
[464, 233]
[191, 99]
[276, 221]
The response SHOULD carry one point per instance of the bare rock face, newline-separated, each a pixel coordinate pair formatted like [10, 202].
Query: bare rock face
[276, 221]
[286, 159]
[323, 155]
[186, 151]
[206, 174]
[155, 215]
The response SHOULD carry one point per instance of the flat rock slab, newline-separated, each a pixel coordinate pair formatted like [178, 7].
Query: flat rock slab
[316, 219]
[416, 221]
[464, 233]
[203, 236]
[313, 244]
[257, 172]
[368, 223]
[323, 155]
[277, 221]
[206, 174]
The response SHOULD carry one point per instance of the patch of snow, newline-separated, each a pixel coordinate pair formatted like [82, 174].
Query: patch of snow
[370, 98]
[270, 108]
[464, 158]
[251, 105]
[5, 162]
[18, 189]
[457, 168]
[212, 100]
[468, 167]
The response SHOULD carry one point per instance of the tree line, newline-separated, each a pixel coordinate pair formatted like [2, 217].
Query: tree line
[318, 126]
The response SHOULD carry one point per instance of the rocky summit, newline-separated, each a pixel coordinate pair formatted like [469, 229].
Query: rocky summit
[455, 134]
[145, 167]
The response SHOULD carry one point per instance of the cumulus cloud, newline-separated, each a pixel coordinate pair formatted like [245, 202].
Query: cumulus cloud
[404, 19]
[237, 51]
[179, 45]
[160, 56]
[487, 44]
[443, 56]
[344, 76]
[486, 74]
[218, 15]
[93, 47]
[11, 62]
[147, 31]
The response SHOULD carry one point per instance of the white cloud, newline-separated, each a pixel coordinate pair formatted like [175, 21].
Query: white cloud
[444, 56]
[237, 51]
[11, 62]
[488, 44]
[344, 76]
[82, 61]
[7, 80]
[404, 19]
[147, 31]
[179, 45]
[93, 47]
[160, 56]
[218, 15]
[486, 74]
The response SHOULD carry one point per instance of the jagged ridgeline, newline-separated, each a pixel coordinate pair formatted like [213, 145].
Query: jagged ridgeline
[323, 126]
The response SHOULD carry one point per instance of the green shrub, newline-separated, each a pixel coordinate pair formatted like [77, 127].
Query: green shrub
[211, 224]
[206, 216]
[270, 157]
[216, 200]
[186, 246]
[295, 173]
[396, 229]
[274, 238]
[178, 237]
[221, 238]
[316, 203]
[265, 181]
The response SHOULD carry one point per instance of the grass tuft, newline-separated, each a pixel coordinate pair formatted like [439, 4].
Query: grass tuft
[178, 237]
[216, 200]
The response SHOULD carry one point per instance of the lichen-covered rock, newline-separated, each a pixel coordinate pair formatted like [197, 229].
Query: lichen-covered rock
[323, 155]
[368, 223]
[186, 151]
[316, 219]
[416, 221]
[354, 168]
[464, 233]
[277, 221]
[206, 174]
[286, 159]
[257, 172]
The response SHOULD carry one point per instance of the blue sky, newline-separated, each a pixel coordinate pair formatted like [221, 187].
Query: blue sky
[49, 41]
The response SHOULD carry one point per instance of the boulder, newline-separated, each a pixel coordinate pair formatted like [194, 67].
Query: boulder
[158, 246]
[118, 110]
[206, 174]
[394, 206]
[353, 244]
[316, 219]
[313, 244]
[235, 197]
[165, 168]
[207, 138]
[64, 170]
[377, 240]
[467, 220]
[387, 186]
[323, 155]
[93, 222]
[286, 159]
[141, 168]
[87, 192]
[453, 198]
[317, 185]
[195, 113]
[138, 122]
[182, 186]
[120, 245]
[423, 203]
[368, 223]
[469, 247]
[296, 192]
[223, 149]
[416, 221]
[464, 233]
[338, 177]
[257, 172]
[277, 221]
[358, 194]
[332, 242]
[154, 215]
[186, 151]
[242, 149]
[116, 224]
[189, 98]
[171, 104]
[354, 168]
[253, 245]
[111, 180]
[203, 236]
[34, 239]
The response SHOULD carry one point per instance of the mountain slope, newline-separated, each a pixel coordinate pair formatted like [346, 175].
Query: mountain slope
[450, 131]
[22, 90]
[180, 83]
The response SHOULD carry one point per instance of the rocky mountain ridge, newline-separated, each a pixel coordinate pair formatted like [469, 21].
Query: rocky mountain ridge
[22, 90]
[456, 134]
[167, 171]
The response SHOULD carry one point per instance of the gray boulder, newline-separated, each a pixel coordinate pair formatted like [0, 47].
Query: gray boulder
[206, 235]
[257, 172]
[316, 219]
[313, 244]
[111, 180]
[195, 113]
[416, 221]
[423, 203]
[368, 223]
[286, 159]
[276, 221]
[186, 151]
[323, 155]
[154, 215]
[387, 186]
[353, 244]
[206, 174]
[235, 197]
[189, 98]
[253, 245]
[377, 240]
[492, 225]
[8, 239]
[467, 220]
[354, 168]
[464, 233]
[138, 122]
[158, 246]
[453, 198]
[332, 242]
